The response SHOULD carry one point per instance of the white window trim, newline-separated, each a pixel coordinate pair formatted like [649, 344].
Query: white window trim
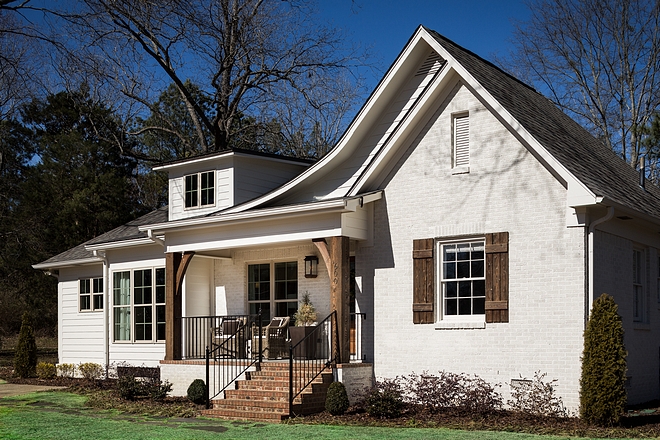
[132, 305]
[642, 319]
[443, 321]
[92, 293]
[199, 190]
[272, 301]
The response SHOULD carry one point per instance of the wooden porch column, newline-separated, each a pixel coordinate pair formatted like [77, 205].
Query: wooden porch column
[176, 265]
[338, 263]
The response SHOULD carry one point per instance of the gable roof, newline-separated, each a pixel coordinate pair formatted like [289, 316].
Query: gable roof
[571, 150]
[129, 231]
[588, 159]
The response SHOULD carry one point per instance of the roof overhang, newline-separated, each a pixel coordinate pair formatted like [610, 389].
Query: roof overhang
[68, 263]
[143, 241]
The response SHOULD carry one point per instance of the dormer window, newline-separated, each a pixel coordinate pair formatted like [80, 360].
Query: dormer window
[200, 189]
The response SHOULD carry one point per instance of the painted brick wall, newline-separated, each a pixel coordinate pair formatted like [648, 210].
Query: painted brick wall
[507, 189]
[613, 275]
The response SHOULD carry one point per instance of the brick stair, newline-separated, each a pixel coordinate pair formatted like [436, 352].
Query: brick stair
[264, 396]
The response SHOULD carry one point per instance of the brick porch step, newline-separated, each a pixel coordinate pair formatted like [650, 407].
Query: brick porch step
[264, 396]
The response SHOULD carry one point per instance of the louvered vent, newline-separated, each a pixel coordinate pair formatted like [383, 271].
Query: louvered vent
[461, 140]
[432, 65]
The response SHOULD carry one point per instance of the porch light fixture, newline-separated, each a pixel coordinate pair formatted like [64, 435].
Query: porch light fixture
[311, 266]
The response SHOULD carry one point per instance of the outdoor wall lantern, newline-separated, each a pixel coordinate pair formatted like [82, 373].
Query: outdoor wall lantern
[311, 266]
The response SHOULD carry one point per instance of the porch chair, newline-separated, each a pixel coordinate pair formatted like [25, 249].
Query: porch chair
[230, 337]
[273, 338]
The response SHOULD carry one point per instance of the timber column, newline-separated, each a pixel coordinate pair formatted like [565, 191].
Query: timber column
[176, 265]
[339, 272]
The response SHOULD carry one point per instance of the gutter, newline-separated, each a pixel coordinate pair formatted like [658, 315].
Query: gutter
[590, 263]
[106, 307]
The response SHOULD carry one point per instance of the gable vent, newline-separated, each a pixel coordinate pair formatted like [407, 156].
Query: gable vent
[461, 140]
[432, 65]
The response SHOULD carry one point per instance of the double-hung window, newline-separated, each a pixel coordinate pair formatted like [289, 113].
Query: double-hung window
[273, 288]
[199, 189]
[139, 305]
[91, 294]
[461, 282]
[463, 278]
[639, 298]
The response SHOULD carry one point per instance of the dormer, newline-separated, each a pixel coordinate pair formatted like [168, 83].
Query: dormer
[204, 184]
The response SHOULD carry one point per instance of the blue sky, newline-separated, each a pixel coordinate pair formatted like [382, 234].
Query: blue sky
[483, 26]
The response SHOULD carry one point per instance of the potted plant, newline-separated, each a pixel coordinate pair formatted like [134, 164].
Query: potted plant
[305, 319]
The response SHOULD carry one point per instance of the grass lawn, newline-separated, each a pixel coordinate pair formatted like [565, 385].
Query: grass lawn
[63, 415]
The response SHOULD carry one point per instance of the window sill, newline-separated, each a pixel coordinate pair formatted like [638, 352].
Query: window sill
[641, 326]
[461, 170]
[460, 325]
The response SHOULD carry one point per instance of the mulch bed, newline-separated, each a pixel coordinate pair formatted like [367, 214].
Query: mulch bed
[639, 422]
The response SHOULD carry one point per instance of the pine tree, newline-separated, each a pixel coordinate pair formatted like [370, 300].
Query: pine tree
[25, 360]
[602, 385]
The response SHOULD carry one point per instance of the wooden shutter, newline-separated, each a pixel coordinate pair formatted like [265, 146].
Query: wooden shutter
[461, 141]
[497, 277]
[423, 284]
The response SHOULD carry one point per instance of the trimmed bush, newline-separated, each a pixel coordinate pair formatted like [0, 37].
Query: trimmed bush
[25, 360]
[66, 370]
[46, 370]
[336, 402]
[602, 384]
[197, 391]
[90, 370]
[385, 400]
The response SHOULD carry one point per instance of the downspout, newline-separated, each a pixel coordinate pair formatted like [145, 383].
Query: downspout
[155, 239]
[590, 268]
[106, 315]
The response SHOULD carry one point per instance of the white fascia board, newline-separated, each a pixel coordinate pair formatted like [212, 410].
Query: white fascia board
[192, 161]
[61, 264]
[120, 244]
[404, 128]
[358, 127]
[254, 241]
[578, 189]
[338, 205]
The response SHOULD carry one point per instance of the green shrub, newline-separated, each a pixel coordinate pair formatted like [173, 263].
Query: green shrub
[385, 400]
[197, 391]
[25, 360]
[90, 370]
[46, 370]
[336, 402]
[130, 388]
[66, 370]
[602, 384]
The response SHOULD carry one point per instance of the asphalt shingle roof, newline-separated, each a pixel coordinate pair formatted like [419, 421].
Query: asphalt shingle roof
[588, 159]
[127, 231]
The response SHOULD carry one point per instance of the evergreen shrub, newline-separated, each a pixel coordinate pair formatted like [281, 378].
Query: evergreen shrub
[46, 370]
[25, 359]
[336, 401]
[197, 391]
[91, 371]
[602, 384]
[385, 400]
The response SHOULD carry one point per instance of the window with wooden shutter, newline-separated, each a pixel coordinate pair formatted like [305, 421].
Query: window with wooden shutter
[497, 277]
[461, 140]
[423, 281]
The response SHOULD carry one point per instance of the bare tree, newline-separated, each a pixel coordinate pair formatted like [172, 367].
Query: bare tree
[250, 58]
[599, 60]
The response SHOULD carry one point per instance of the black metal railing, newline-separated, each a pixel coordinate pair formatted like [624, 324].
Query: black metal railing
[309, 357]
[229, 353]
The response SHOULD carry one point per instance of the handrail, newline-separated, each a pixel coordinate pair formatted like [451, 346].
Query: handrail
[231, 357]
[302, 372]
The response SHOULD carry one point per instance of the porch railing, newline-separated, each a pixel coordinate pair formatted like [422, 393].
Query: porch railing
[356, 336]
[315, 352]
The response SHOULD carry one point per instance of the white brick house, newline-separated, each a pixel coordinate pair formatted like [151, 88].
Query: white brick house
[480, 222]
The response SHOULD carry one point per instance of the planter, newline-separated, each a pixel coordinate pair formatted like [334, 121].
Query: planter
[306, 350]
